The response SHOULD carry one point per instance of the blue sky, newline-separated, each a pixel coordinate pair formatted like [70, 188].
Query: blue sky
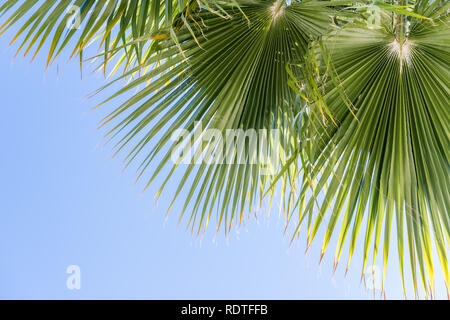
[64, 201]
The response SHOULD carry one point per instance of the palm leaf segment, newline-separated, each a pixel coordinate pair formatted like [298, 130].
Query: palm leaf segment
[386, 159]
[112, 23]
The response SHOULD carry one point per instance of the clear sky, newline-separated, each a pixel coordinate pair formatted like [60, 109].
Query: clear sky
[64, 201]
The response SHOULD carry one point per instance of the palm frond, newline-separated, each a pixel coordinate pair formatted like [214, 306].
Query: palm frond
[231, 75]
[383, 156]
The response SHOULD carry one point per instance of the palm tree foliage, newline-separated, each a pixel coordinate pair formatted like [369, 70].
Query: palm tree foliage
[362, 112]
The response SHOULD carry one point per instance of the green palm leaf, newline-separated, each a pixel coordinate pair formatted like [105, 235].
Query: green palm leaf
[231, 75]
[386, 158]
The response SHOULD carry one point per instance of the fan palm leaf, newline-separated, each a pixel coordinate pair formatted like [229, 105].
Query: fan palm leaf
[209, 69]
[231, 75]
[384, 155]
